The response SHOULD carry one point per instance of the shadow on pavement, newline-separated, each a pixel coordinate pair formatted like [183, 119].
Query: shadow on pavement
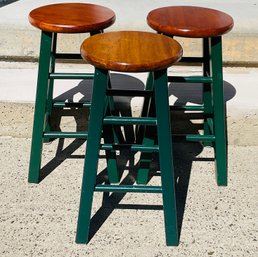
[6, 2]
[184, 153]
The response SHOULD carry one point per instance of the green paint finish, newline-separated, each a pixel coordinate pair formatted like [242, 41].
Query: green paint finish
[40, 107]
[91, 157]
[166, 157]
[190, 79]
[145, 135]
[48, 126]
[131, 147]
[164, 147]
[60, 134]
[219, 113]
[128, 189]
[59, 75]
[130, 120]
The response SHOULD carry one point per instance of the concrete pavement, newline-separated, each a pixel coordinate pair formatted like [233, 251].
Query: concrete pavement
[19, 40]
[18, 84]
[40, 220]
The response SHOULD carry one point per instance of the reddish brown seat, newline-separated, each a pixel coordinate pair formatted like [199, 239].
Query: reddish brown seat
[72, 18]
[210, 25]
[190, 21]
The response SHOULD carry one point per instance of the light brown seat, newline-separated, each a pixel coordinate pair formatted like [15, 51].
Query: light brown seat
[72, 18]
[131, 51]
[190, 21]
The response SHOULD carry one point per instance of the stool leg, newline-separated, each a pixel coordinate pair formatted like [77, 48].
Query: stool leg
[40, 107]
[145, 109]
[144, 135]
[109, 136]
[112, 134]
[51, 87]
[166, 157]
[219, 112]
[92, 152]
[207, 89]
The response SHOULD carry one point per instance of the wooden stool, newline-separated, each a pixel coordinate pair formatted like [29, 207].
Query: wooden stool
[53, 19]
[210, 25]
[129, 52]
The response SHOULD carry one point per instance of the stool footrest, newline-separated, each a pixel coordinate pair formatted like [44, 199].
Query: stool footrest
[192, 137]
[192, 59]
[61, 75]
[68, 56]
[60, 134]
[132, 147]
[124, 92]
[130, 120]
[190, 79]
[128, 188]
[187, 107]
[71, 105]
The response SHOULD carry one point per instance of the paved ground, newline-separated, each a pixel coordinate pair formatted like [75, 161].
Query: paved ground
[18, 82]
[40, 220]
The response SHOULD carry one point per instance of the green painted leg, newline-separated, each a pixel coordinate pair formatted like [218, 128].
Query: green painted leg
[110, 136]
[145, 135]
[219, 113]
[145, 109]
[166, 157]
[51, 88]
[112, 169]
[91, 157]
[148, 140]
[40, 108]
[207, 90]
[118, 135]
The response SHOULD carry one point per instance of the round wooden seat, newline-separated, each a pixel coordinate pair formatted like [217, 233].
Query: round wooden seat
[131, 51]
[190, 21]
[72, 18]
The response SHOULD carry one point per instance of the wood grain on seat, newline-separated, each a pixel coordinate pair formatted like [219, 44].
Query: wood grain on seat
[190, 21]
[72, 17]
[131, 51]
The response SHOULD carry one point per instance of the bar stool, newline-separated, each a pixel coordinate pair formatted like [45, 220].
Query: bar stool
[51, 20]
[210, 25]
[129, 52]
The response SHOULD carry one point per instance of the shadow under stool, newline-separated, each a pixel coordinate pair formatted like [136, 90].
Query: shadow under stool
[129, 51]
[208, 25]
[67, 18]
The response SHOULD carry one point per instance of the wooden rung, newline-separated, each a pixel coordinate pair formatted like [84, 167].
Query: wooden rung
[190, 79]
[187, 107]
[124, 92]
[192, 59]
[67, 56]
[193, 137]
[60, 134]
[132, 147]
[130, 120]
[128, 188]
[71, 105]
[62, 75]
